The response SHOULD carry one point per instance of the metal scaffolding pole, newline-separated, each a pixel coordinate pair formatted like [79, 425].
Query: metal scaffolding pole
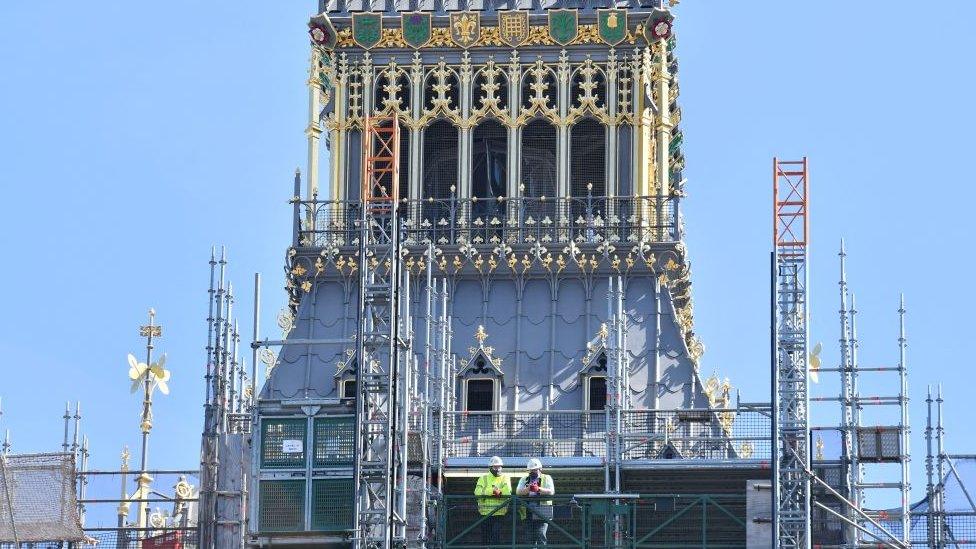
[849, 428]
[904, 429]
[929, 472]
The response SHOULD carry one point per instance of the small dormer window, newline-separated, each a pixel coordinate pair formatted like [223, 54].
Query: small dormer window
[596, 393]
[593, 375]
[480, 377]
[480, 396]
[348, 389]
[345, 377]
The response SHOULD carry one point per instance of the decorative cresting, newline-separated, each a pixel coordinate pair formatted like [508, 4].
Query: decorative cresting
[441, 90]
[469, 33]
[481, 360]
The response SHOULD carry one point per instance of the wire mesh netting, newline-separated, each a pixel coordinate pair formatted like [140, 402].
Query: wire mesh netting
[576, 521]
[38, 500]
[334, 441]
[282, 504]
[657, 434]
[332, 508]
[144, 538]
[283, 442]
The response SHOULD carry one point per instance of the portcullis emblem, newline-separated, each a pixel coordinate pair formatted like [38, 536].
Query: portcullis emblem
[465, 28]
[513, 27]
[367, 29]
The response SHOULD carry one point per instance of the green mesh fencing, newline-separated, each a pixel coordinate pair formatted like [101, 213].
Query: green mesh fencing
[282, 506]
[283, 443]
[334, 441]
[332, 504]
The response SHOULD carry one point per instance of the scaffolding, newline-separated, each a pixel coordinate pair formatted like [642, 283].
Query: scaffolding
[791, 434]
[383, 348]
[869, 442]
[224, 458]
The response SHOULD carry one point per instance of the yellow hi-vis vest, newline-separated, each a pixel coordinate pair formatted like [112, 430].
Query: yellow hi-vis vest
[487, 502]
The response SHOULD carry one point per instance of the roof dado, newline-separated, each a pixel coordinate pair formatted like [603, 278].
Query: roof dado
[442, 7]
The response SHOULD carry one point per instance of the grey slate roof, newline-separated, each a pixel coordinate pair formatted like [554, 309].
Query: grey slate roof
[547, 341]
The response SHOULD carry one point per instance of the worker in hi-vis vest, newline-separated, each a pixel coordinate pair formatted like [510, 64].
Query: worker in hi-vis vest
[493, 490]
[537, 511]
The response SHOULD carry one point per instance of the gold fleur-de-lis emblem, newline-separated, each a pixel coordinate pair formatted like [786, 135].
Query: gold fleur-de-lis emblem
[298, 270]
[307, 286]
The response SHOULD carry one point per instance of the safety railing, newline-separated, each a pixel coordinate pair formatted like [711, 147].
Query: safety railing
[501, 221]
[593, 521]
[718, 434]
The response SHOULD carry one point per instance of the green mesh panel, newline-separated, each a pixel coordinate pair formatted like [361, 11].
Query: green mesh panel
[332, 504]
[282, 506]
[274, 434]
[334, 441]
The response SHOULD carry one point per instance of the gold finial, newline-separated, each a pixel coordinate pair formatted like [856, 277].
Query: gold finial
[604, 331]
[481, 335]
[151, 330]
[820, 448]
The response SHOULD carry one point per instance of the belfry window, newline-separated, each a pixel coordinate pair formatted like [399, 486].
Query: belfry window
[538, 168]
[625, 186]
[440, 160]
[588, 169]
[440, 174]
[404, 168]
[489, 157]
[354, 157]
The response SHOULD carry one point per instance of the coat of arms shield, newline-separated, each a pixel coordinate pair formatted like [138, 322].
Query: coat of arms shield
[563, 25]
[513, 27]
[367, 29]
[612, 25]
[416, 28]
[465, 28]
[322, 33]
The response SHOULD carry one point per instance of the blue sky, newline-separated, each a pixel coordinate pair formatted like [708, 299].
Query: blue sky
[135, 135]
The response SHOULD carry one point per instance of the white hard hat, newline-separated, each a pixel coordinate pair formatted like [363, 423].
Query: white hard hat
[495, 461]
[533, 464]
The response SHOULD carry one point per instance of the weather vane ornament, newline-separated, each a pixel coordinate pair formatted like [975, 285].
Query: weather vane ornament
[158, 375]
[150, 375]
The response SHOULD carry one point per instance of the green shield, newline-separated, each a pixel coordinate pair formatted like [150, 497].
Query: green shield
[612, 26]
[367, 29]
[563, 26]
[416, 27]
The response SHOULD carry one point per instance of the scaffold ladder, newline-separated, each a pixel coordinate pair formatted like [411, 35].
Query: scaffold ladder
[791, 444]
[380, 412]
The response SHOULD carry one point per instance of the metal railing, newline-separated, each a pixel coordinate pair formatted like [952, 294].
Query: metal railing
[594, 521]
[502, 221]
[646, 434]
